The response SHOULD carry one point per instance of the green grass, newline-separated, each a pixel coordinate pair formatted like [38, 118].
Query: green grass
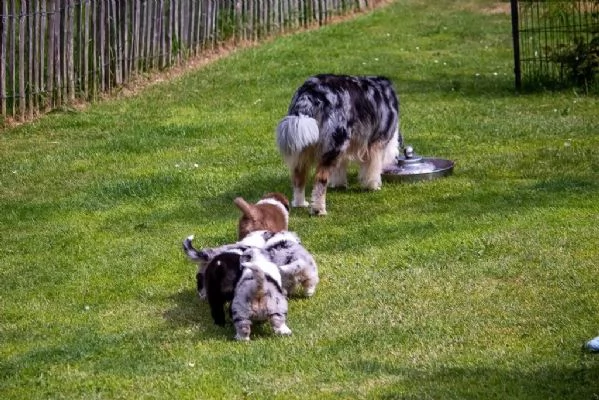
[482, 285]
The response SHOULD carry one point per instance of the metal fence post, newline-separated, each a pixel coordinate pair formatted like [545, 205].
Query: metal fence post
[516, 39]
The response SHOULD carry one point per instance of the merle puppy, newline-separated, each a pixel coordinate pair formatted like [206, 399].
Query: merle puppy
[298, 268]
[259, 296]
[334, 119]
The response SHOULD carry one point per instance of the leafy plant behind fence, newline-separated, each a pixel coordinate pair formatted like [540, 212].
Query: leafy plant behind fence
[559, 43]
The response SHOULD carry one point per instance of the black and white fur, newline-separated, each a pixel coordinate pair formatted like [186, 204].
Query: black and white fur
[259, 296]
[221, 276]
[334, 119]
[204, 256]
[297, 266]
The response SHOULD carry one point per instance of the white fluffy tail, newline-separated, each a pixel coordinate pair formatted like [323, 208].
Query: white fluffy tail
[295, 133]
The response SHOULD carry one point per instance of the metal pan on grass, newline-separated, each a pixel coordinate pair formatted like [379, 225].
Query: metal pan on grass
[413, 168]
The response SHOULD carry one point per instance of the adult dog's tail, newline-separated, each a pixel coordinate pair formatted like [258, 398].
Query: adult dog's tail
[246, 208]
[295, 133]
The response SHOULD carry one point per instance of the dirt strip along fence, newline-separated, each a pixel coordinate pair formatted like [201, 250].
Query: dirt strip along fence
[54, 52]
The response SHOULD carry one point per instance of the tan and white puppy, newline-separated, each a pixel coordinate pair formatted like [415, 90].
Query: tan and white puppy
[271, 213]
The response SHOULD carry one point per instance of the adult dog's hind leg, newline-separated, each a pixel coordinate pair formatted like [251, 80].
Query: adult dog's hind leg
[338, 178]
[371, 169]
[319, 191]
[299, 167]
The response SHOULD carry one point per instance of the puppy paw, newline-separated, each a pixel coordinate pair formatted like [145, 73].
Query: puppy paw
[302, 204]
[241, 338]
[283, 330]
[593, 345]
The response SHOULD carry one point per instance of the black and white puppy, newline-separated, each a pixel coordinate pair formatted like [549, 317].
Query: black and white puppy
[259, 296]
[204, 256]
[221, 276]
[334, 119]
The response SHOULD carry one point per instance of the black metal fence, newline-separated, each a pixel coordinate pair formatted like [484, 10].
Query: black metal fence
[556, 43]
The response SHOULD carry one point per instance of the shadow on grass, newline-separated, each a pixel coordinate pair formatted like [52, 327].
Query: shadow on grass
[190, 311]
[466, 85]
[431, 216]
[546, 382]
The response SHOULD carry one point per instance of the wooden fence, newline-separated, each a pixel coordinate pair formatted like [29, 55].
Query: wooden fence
[53, 52]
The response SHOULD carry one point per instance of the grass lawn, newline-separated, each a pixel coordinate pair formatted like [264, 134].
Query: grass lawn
[482, 285]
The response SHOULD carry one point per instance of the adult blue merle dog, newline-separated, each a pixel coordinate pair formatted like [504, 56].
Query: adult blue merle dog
[335, 119]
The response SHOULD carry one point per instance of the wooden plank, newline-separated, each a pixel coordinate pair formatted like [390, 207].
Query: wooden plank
[85, 11]
[115, 44]
[69, 50]
[58, 56]
[50, 58]
[147, 35]
[78, 43]
[158, 34]
[170, 39]
[191, 37]
[22, 24]
[35, 43]
[136, 31]
[93, 18]
[28, 39]
[177, 31]
[42, 55]
[162, 44]
[124, 23]
[100, 27]
[109, 46]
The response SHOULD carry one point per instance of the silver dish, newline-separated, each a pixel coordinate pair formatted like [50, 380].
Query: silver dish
[413, 168]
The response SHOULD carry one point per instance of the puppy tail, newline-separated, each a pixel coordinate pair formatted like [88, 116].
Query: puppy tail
[191, 252]
[247, 209]
[295, 133]
[260, 278]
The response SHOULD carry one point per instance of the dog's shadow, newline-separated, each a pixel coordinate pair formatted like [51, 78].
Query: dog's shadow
[187, 310]
[190, 311]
